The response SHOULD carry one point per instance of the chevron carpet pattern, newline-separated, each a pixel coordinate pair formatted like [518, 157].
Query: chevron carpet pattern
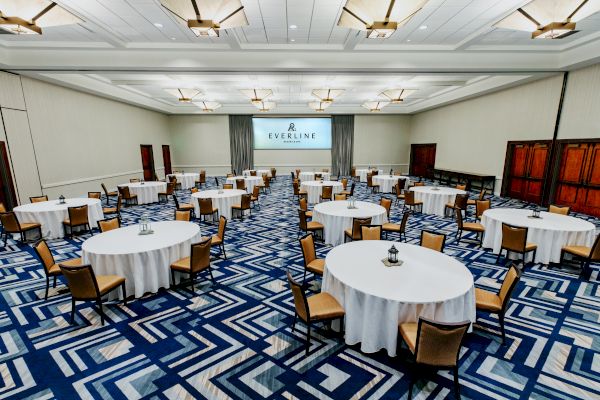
[233, 339]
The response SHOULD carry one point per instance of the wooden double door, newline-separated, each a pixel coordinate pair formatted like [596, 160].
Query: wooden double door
[525, 170]
[422, 159]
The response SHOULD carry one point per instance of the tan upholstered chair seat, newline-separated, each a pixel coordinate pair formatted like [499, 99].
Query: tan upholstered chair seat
[29, 225]
[408, 331]
[113, 193]
[581, 251]
[187, 206]
[323, 306]
[182, 264]
[311, 225]
[107, 283]
[215, 240]
[471, 202]
[530, 246]
[473, 226]
[388, 226]
[316, 266]
[109, 210]
[348, 232]
[237, 206]
[55, 269]
[487, 300]
[309, 214]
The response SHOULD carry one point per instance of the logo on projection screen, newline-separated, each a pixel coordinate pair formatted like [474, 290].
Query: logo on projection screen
[291, 133]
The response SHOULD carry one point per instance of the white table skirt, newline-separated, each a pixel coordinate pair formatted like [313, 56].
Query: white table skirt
[146, 192]
[377, 298]
[251, 181]
[51, 215]
[362, 173]
[310, 176]
[315, 189]
[222, 201]
[551, 232]
[187, 180]
[336, 217]
[259, 172]
[435, 198]
[144, 261]
[387, 183]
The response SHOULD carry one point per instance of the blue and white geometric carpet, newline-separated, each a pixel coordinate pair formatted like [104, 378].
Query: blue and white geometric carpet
[233, 340]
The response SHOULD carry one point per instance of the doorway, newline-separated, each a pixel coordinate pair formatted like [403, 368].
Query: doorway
[8, 196]
[422, 159]
[167, 159]
[525, 170]
[148, 162]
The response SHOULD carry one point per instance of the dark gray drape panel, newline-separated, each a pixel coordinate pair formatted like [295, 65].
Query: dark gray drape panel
[342, 143]
[240, 142]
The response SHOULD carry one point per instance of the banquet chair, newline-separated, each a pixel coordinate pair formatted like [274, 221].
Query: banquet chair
[108, 194]
[353, 175]
[419, 184]
[586, 255]
[227, 186]
[461, 187]
[514, 238]
[163, 197]
[400, 228]
[326, 193]
[351, 192]
[183, 215]
[375, 172]
[473, 202]
[11, 225]
[325, 170]
[106, 225]
[94, 195]
[309, 226]
[399, 192]
[554, 209]
[373, 186]
[127, 196]
[460, 201]
[240, 184]
[297, 174]
[266, 184]
[243, 206]
[229, 175]
[78, 216]
[498, 303]
[318, 176]
[219, 238]
[134, 180]
[194, 190]
[433, 240]
[321, 307]
[309, 253]
[217, 181]
[387, 204]
[202, 179]
[303, 204]
[297, 192]
[252, 173]
[410, 202]
[87, 286]
[481, 206]
[114, 210]
[254, 197]
[354, 233]
[371, 232]
[197, 262]
[462, 226]
[340, 197]
[206, 209]
[344, 182]
[51, 268]
[183, 206]
[434, 346]
[38, 199]
[273, 174]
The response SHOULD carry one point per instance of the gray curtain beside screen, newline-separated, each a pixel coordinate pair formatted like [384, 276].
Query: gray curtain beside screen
[342, 144]
[240, 142]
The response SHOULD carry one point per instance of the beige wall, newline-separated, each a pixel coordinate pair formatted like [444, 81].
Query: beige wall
[581, 106]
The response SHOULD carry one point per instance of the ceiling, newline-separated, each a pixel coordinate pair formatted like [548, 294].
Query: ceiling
[130, 50]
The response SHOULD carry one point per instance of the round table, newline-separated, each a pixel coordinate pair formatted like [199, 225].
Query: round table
[251, 181]
[337, 217]
[387, 183]
[51, 215]
[187, 180]
[310, 176]
[551, 232]
[222, 201]
[147, 192]
[435, 198]
[143, 260]
[377, 298]
[259, 172]
[315, 189]
[362, 173]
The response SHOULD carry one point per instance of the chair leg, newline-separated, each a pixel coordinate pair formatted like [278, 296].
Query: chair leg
[456, 383]
[498, 258]
[223, 250]
[212, 278]
[124, 294]
[54, 283]
[294, 323]
[47, 287]
[307, 337]
[72, 309]
[173, 277]
[99, 303]
[501, 321]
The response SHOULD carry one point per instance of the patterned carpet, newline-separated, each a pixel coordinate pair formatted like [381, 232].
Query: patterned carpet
[234, 340]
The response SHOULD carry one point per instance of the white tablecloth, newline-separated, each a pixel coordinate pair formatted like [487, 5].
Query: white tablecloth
[435, 198]
[310, 176]
[550, 233]
[222, 201]
[147, 192]
[251, 181]
[336, 217]
[143, 260]
[259, 172]
[187, 180]
[362, 173]
[51, 214]
[315, 189]
[387, 183]
[376, 298]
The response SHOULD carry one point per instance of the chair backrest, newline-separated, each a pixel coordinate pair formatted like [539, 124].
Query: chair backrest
[106, 225]
[124, 190]
[400, 185]
[356, 224]
[461, 187]
[325, 170]
[554, 209]
[298, 173]
[387, 204]
[81, 281]
[170, 187]
[105, 189]
[296, 188]
[134, 180]
[370, 232]
[404, 221]
[176, 201]
[481, 206]
[2, 208]
[183, 215]
[508, 285]
[240, 184]
[340, 196]
[318, 176]
[252, 173]
[193, 190]
[327, 192]
[119, 203]
[38, 199]
[45, 255]
[246, 199]
[409, 197]
[514, 237]
[308, 248]
[459, 217]
[302, 217]
[172, 179]
[266, 180]
[256, 191]
[222, 226]
[345, 183]
[375, 172]
[438, 344]
[200, 255]
[273, 173]
[78, 215]
[352, 189]
[228, 186]
[202, 176]
[95, 195]
[10, 222]
[300, 301]
[482, 194]
[353, 172]
[432, 240]
[369, 180]
[460, 201]
[206, 206]
[303, 204]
